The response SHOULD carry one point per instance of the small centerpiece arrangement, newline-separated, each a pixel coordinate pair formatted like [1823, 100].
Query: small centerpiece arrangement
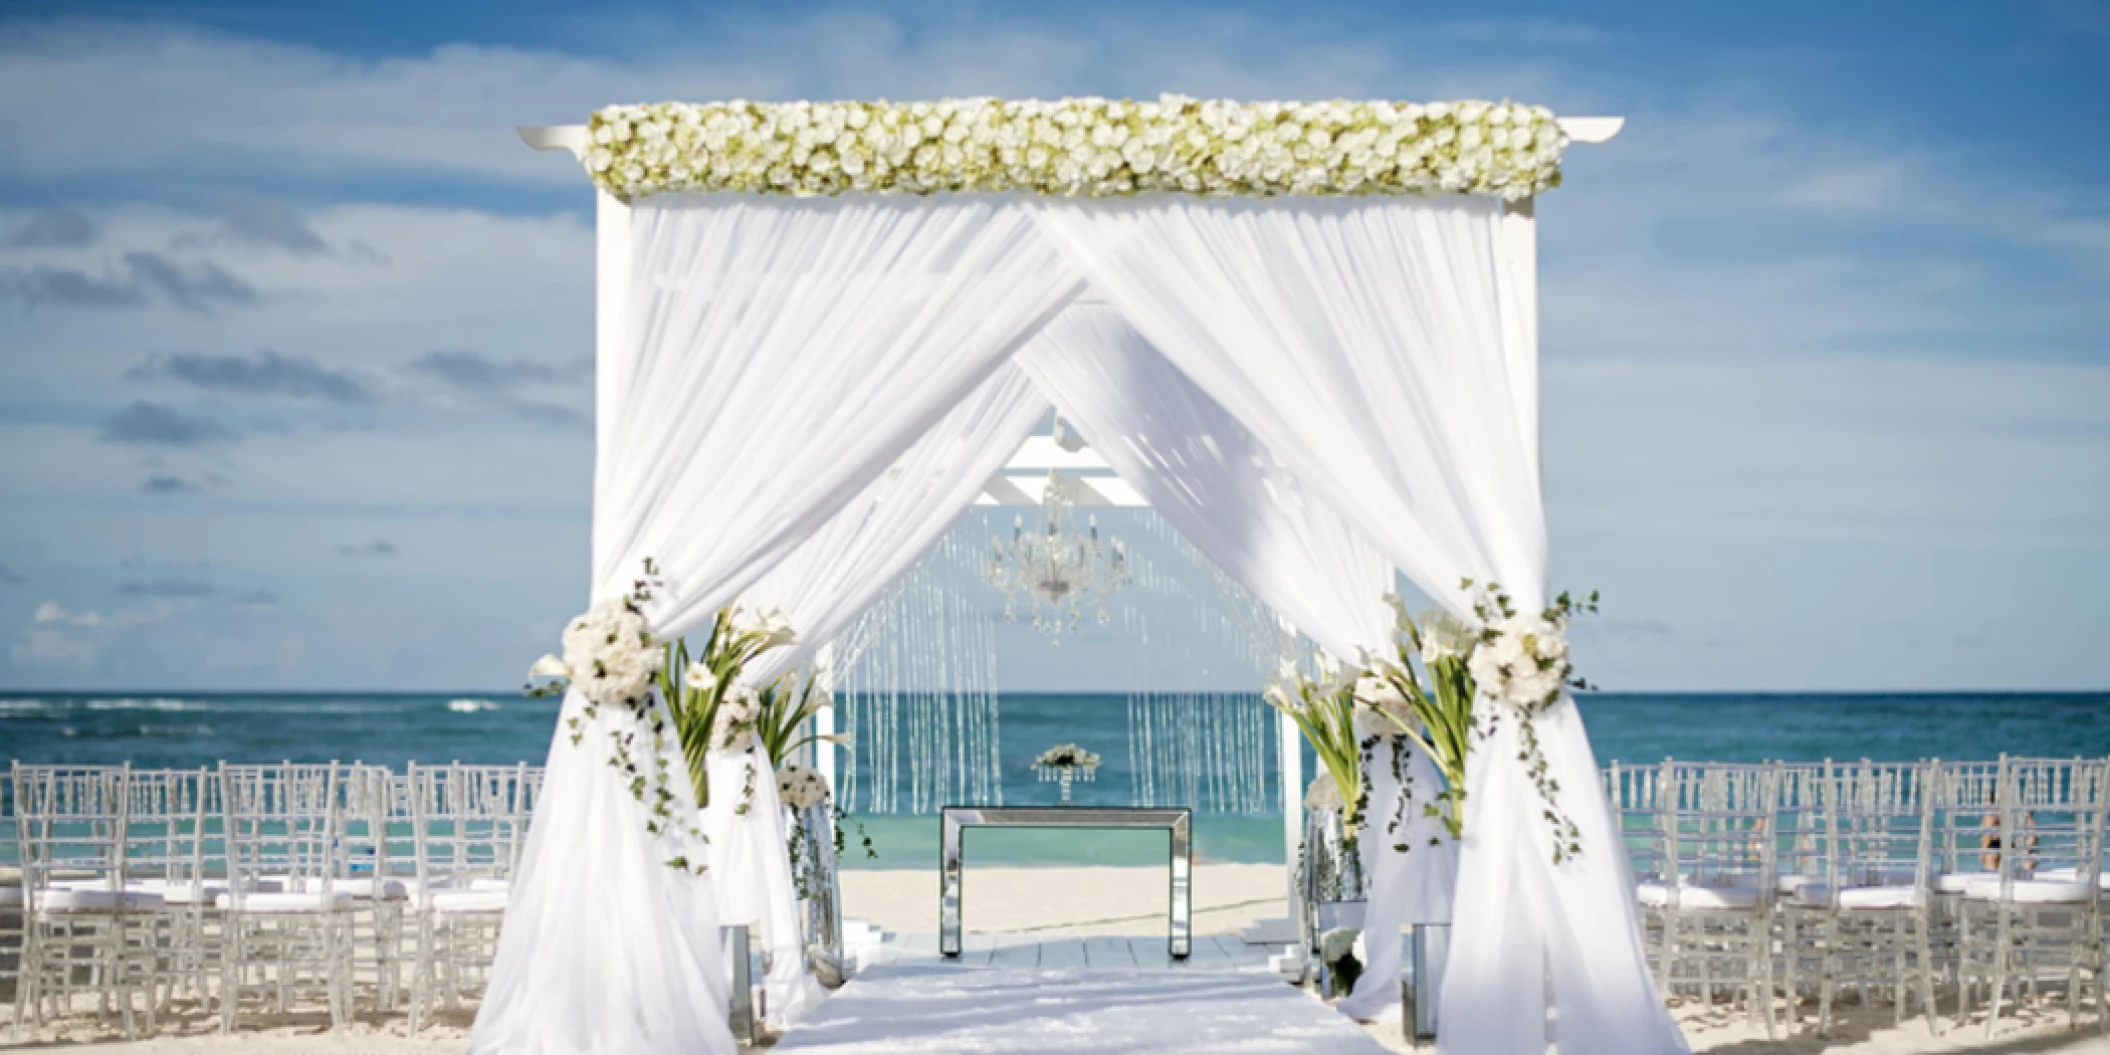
[1337, 949]
[1066, 763]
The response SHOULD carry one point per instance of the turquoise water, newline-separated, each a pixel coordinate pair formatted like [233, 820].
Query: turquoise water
[190, 730]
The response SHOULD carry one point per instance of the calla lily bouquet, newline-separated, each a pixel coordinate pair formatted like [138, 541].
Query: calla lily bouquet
[1324, 710]
[712, 709]
[1516, 660]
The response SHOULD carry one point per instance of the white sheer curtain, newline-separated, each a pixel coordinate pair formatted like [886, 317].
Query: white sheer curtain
[1225, 493]
[835, 575]
[1383, 349]
[822, 587]
[751, 864]
[774, 357]
[605, 946]
[782, 353]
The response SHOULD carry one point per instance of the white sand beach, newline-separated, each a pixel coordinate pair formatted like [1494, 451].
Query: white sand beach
[1095, 901]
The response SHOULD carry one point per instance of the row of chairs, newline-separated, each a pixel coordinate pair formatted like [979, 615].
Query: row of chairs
[246, 888]
[1782, 882]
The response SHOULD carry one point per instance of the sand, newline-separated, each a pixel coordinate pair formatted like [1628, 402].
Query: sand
[1060, 902]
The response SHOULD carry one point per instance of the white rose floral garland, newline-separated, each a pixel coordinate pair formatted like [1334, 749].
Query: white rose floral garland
[1081, 147]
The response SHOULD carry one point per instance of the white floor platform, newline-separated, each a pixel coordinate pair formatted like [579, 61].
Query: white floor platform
[1017, 994]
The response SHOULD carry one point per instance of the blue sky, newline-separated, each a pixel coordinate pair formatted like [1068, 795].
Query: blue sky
[295, 337]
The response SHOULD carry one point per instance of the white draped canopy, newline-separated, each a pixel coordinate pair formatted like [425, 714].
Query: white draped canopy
[797, 397]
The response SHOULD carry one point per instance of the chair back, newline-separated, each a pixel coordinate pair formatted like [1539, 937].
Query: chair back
[70, 826]
[1717, 825]
[284, 824]
[168, 826]
[467, 824]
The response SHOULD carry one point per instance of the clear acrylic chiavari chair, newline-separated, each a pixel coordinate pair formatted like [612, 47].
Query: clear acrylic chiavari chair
[1869, 923]
[468, 823]
[288, 929]
[84, 932]
[169, 827]
[1709, 916]
[2038, 915]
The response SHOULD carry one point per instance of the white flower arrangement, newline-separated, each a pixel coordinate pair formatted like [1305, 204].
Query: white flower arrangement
[1338, 943]
[733, 727]
[1078, 147]
[1524, 661]
[609, 655]
[1067, 756]
[799, 787]
[1323, 793]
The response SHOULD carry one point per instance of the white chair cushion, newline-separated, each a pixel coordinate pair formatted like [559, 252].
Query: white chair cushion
[181, 891]
[62, 900]
[2032, 891]
[1658, 895]
[2102, 879]
[470, 901]
[1955, 882]
[363, 888]
[1789, 884]
[281, 901]
[487, 883]
[1818, 895]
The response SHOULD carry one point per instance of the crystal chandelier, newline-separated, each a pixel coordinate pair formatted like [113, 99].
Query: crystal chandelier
[1055, 570]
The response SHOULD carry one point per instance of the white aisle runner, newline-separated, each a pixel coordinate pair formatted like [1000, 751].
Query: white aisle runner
[945, 1008]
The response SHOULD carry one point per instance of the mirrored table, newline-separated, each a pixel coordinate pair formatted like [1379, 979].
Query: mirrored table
[1178, 823]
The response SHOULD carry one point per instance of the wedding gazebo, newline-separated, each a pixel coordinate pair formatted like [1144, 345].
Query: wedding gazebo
[1305, 333]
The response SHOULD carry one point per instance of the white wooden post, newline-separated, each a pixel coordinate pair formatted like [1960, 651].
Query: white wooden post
[824, 719]
[1290, 751]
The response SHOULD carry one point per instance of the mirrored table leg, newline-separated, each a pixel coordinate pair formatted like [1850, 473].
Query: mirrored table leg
[949, 887]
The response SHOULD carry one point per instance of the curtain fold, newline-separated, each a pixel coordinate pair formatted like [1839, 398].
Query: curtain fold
[1384, 350]
[751, 867]
[1227, 494]
[784, 353]
[774, 357]
[825, 584]
[605, 946]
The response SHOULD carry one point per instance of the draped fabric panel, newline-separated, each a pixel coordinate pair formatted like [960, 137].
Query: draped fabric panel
[823, 586]
[1384, 350]
[605, 947]
[783, 353]
[1211, 480]
[1227, 495]
[773, 357]
[831, 579]
[751, 863]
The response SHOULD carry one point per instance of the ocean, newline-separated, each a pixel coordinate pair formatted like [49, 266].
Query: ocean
[198, 729]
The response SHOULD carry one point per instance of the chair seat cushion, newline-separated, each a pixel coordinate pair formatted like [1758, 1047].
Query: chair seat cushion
[1955, 882]
[365, 888]
[63, 900]
[2102, 879]
[1659, 895]
[1789, 884]
[489, 883]
[181, 891]
[282, 901]
[2033, 891]
[448, 901]
[1859, 897]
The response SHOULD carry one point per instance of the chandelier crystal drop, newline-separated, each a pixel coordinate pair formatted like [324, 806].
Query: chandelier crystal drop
[1055, 570]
